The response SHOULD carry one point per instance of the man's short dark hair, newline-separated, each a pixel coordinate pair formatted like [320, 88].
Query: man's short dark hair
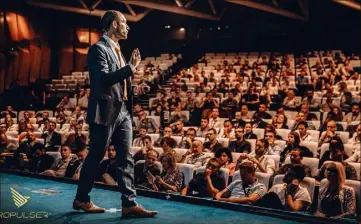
[170, 142]
[304, 123]
[299, 172]
[213, 130]
[107, 19]
[146, 137]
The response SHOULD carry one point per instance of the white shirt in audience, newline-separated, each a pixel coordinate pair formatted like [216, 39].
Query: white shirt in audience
[355, 158]
[215, 123]
[301, 194]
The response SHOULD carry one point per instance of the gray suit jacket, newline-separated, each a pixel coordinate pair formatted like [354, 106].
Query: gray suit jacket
[106, 84]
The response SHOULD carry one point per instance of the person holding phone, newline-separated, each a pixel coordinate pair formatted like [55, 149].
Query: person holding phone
[145, 173]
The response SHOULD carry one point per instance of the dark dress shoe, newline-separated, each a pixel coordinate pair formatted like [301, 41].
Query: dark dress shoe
[137, 211]
[88, 207]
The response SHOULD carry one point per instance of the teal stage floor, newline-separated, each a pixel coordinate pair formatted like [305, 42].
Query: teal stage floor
[52, 202]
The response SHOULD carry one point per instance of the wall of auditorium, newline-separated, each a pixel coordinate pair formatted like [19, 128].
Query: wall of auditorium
[24, 58]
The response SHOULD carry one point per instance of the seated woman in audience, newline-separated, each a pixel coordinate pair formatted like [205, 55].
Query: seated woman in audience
[208, 183]
[22, 126]
[280, 121]
[336, 155]
[9, 123]
[290, 195]
[170, 179]
[294, 142]
[335, 113]
[291, 101]
[248, 134]
[225, 159]
[336, 200]
[247, 190]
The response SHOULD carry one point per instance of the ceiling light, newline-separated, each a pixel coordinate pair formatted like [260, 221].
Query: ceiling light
[182, 29]
[167, 27]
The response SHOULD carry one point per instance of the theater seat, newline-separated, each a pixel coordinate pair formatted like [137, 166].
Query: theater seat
[224, 173]
[312, 146]
[187, 170]
[310, 162]
[307, 182]
[157, 163]
[223, 141]
[357, 167]
[283, 133]
[356, 185]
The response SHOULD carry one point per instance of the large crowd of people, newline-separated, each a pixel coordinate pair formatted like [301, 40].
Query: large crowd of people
[260, 130]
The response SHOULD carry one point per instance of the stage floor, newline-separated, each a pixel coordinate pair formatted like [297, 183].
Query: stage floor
[51, 202]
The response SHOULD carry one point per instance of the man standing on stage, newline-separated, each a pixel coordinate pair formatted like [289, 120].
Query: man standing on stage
[110, 116]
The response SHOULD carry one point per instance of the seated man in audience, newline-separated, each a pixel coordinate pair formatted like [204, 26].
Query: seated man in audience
[168, 144]
[212, 145]
[147, 122]
[244, 113]
[203, 129]
[229, 106]
[52, 139]
[329, 134]
[214, 120]
[74, 167]
[167, 132]
[58, 168]
[257, 122]
[77, 114]
[289, 196]
[9, 110]
[305, 108]
[28, 145]
[301, 117]
[239, 145]
[296, 160]
[77, 140]
[44, 118]
[40, 161]
[354, 115]
[177, 128]
[338, 155]
[238, 121]
[261, 113]
[227, 131]
[273, 148]
[245, 191]
[178, 115]
[304, 135]
[138, 140]
[324, 126]
[145, 147]
[137, 109]
[108, 168]
[208, 183]
[187, 140]
[262, 164]
[145, 173]
[71, 127]
[195, 155]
